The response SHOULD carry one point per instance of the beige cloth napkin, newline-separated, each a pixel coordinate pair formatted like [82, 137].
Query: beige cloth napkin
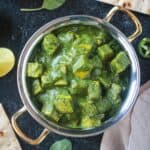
[142, 6]
[132, 133]
[8, 140]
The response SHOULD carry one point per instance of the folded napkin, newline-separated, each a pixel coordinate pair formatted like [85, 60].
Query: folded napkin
[142, 6]
[8, 140]
[132, 133]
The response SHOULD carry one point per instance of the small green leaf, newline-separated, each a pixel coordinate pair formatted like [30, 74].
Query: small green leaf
[64, 144]
[52, 4]
[47, 4]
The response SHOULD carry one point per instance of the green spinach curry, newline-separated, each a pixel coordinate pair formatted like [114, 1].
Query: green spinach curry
[77, 75]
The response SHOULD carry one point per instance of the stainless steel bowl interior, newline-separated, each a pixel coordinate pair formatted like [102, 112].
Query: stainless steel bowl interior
[129, 98]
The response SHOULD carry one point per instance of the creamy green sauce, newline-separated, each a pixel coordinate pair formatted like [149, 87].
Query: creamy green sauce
[77, 75]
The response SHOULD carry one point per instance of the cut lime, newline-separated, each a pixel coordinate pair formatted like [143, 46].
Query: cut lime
[7, 61]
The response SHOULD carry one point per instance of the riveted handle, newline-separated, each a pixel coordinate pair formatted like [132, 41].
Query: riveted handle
[135, 20]
[20, 133]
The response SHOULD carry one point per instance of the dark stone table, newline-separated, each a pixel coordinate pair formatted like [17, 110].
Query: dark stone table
[15, 29]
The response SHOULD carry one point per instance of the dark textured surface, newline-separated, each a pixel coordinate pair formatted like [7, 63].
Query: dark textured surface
[15, 29]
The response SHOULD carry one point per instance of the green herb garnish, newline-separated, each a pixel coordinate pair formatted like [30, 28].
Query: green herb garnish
[64, 144]
[47, 4]
[144, 48]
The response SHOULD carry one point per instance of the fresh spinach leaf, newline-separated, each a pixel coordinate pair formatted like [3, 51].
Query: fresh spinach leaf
[64, 144]
[47, 4]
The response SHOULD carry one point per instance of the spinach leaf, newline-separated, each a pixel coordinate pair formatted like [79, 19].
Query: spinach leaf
[64, 144]
[47, 4]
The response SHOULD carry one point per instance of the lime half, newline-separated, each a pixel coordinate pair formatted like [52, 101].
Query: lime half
[7, 61]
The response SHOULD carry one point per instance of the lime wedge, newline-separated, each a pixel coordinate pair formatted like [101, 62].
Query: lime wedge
[7, 61]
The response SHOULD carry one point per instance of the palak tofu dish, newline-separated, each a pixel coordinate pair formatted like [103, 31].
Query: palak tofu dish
[77, 76]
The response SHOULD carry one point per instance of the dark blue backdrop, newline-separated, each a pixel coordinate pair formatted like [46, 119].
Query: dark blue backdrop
[15, 29]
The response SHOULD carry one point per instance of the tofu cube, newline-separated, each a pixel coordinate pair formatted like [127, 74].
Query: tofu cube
[82, 67]
[94, 90]
[63, 103]
[50, 43]
[120, 62]
[105, 52]
[88, 122]
[34, 69]
[46, 79]
[36, 87]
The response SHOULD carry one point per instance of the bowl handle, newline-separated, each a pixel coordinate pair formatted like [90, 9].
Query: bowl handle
[135, 20]
[20, 133]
